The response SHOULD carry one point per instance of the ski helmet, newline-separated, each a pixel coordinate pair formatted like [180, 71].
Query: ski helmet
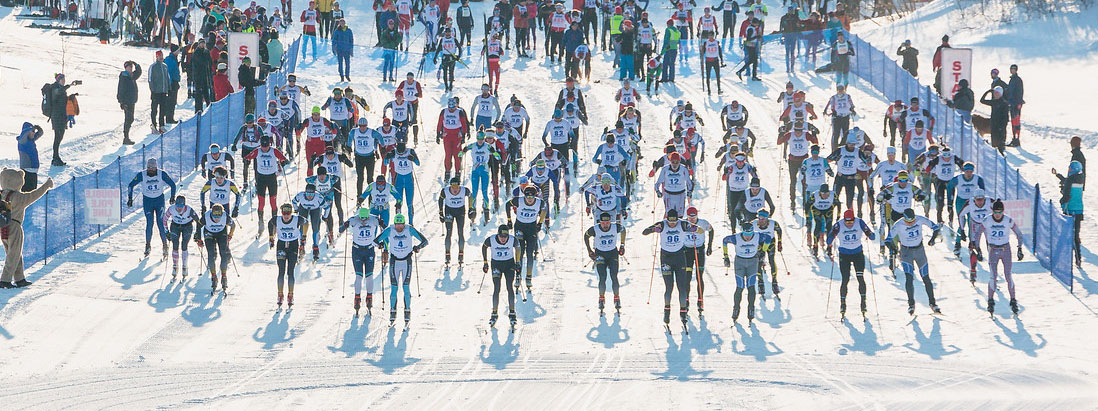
[363, 213]
[400, 219]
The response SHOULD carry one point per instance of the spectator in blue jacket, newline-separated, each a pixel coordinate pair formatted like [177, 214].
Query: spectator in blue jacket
[127, 96]
[172, 61]
[1071, 200]
[573, 37]
[343, 45]
[28, 154]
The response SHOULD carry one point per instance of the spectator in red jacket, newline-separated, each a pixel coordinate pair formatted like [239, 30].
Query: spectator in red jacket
[222, 86]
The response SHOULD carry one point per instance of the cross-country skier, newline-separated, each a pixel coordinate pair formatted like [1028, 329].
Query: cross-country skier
[674, 185]
[451, 50]
[609, 244]
[485, 109]
[451, 131]
[215, 230]
[822, 211]
[627, 95]
[318, 130]
[673, 263]
[289, 229]
[607, 197]
[402, 162]
[313, 207]
[268, 162]
[365, 226]
[400, 114]
[696, 249]
[998, 226]
[840, 107]
[333, 166]
[412, 93]
[153, 181]
[738, 175]
[452, 201]
[398, 241]
[504, 265]
[248, 139]
[182, 219]
[964, 187]
[849, 232]
[846, 159]
[814, 171]
[220, 188]
[943, 168]
[480, 153]
[976, 209]
[379, 194]
[755, 199]
[559, 135]
[530, 213]
[748, 246]
[712, 60]
[367, 144]
[688, 118]
[800, 142]
[733, 115]
[763, 224]
[340, 112]
[542, 174]
[915, 142]
[910, 234]
[216, 158]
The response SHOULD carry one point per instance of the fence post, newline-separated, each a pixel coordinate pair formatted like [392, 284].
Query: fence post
[73, 181]
[46, 232]
[121, 204]
[1036, 212]
[98, 227]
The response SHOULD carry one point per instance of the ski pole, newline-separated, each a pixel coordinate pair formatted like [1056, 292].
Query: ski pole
[482, 273]
[346, 240]
[233, 261]
[415, 260]
[831, 282]
[652, 273]
[876, 307]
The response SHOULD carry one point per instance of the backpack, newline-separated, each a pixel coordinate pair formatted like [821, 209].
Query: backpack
[5, 210]
[47, 99]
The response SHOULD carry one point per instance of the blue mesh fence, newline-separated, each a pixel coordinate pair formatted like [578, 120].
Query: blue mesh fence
[57, 222]
[1051, 236]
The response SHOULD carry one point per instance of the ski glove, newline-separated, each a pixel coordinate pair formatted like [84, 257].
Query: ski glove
[129, 203]
[271, 239]
[621, 250]
[472, 212]
[236, 212]
[727, 262]
[198, 240]
[485, 267]
[441, 217]
[591, 254]
[1020, 255]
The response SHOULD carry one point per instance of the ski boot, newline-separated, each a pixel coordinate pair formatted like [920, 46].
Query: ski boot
[392, 316]
[447, 261]
[911, 310]
[602, 303]
[684, 315]
[514, 318]
[991, 306]
[358, 303]
[461, 257]
[735, 312]
[331, 238]
[701, 307]
[492, 319]
[369, 302]
[842, 308]
[224, 282]
[184, 272]
[972, 276]
[864, 310]
[485, 211]
[774, 285]
[316, 253]
[1014, 306]
[936, 309]
[148, 248]
[175, 270]
[213, 286]
[279, 296]
[495, 204]
[751, 313]
[290, 299]
[617, 302]
[815, 252]
[407, 316]
[666, 314]
[529, 282]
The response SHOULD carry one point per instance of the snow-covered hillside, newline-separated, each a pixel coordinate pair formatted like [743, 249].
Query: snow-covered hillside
[102, 328]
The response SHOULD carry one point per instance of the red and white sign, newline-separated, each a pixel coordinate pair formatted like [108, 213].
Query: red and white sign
[1022, 213]
[242, 45]
[956, 65]
[102, 206]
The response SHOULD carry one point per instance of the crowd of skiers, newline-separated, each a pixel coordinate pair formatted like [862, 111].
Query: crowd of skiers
[484, 147]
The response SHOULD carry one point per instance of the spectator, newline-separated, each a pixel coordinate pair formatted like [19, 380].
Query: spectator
[790, 27]
[1014, 93]
[202, 76]
[390, 40]
[343, 46]
[309, 17]
[964, 100]
[127, 96]
[670, 50]
[58, 98]
[159, 84]
[221, 85]
[28, 154]
[1071, 200]
[325, 23]
[910, 58]
[1076, 155]
[999, 112]
[245, 78]
[275, 51]
[172, 61]
[936, 63]
[12, 235]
